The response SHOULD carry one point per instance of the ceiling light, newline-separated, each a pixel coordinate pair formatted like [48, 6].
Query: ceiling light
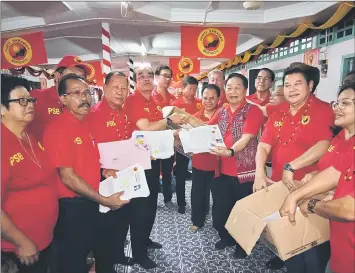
[124, 4]
[252, 5]
[143, 50]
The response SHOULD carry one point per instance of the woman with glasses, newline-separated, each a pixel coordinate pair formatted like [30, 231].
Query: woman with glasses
[335, 171]
[29, 202]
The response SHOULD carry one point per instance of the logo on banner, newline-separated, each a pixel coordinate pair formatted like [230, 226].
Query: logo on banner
[17, 51]
[78, 60]
[92, 72]
[186, 65]
[211, 42]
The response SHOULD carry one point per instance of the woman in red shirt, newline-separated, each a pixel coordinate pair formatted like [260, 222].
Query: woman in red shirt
[29, 202]
[203, 165]
[335, 170]
[239, 123]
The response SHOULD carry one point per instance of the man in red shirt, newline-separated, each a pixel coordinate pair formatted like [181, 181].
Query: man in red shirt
[217, 77]
[146, 115]
[190, 104]
[162, 97]
[263, 84]
[74, 152]
[49, 105]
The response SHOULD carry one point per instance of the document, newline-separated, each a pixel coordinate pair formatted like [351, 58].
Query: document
[161, 143]
[201, 139]
[131, 180]
[119, 155]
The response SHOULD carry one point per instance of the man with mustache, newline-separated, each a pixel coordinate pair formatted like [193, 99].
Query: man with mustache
[49, 105]
[146, 115]
[73, 150]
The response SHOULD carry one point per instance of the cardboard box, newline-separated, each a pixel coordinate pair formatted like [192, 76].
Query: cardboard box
[256, 217]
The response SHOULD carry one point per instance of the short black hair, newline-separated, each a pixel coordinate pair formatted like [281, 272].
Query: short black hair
[314, 73]
[350, 73]
[189, 80]
[62, 87]
[345, 86]
[163, 67]
[268, 70]
[114, 73]
[239, 76]
[61, 69]
[135, 72]
[307, 73]
[212, 86]
[9, 83]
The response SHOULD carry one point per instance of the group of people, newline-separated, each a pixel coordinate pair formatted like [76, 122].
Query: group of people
[51, 165]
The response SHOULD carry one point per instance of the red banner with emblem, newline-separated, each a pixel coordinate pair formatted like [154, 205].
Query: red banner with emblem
[25, 50]
[96, 76]
[209, 42]
[183, 66]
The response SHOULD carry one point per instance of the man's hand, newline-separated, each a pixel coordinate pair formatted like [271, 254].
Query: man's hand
[287, 179]
[114, 201]
[109, 172]
[289, 208]
[221, 151]
[261, 182]
[27, 252]
[304, 207]
[307, 177]
[179, 119]
[176, 134]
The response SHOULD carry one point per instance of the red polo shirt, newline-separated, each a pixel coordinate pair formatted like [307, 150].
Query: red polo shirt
[251, 125]
[109, 125]
[222, 99]
[71, 144]
[28, 192]
[315, 127]
[138, 107]
[47, 108]
[342, 234]
[161, 100]
[336, 155]
[191, 107]
[254, 98]
[204, 161]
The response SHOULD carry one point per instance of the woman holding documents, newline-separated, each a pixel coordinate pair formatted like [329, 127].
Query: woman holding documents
[29, 200]
[239, 123]
[335, 171]
[298, 135]
[203, 165]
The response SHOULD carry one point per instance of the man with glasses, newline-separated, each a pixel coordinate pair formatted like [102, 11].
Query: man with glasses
[162, 97]
[146, 115]
[49, 105]
[74, 152]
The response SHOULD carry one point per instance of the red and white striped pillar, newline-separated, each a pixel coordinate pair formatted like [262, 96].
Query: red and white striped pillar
[106, 49]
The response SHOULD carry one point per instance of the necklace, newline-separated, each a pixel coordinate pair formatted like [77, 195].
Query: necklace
[34, 159]
[125, 127]
[296, 127]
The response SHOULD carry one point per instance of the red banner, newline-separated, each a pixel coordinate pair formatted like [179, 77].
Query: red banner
[183, 66]
[21, 51]
[209, 42]
[96, 76]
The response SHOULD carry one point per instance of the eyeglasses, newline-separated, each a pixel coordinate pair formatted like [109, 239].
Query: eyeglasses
[342, 104]
[23, 101]
[145, 76]
[167, 77]
[79, 94]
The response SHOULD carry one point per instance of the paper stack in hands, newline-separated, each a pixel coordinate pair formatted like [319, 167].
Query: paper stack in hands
[201, 139]
[131, 181]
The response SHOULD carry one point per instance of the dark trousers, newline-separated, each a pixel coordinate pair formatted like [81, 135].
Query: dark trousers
[76, 235]
[166, 169]
[226, 191]
[182, 164]
[41, 266]
[200, 195]
[142, 212]
[313, 260]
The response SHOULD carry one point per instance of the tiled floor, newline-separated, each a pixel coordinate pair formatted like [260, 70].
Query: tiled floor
[186, 252]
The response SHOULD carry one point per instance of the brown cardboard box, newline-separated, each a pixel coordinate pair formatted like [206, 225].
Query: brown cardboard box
[247, 224]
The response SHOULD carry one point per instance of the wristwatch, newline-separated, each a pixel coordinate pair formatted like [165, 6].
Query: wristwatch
[288, 167]
[232, 152]
[311, 204]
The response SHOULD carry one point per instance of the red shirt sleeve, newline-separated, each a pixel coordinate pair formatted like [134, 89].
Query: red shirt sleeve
[270, 108]
[58, 147]
[324, 123]
[133, 113]
[267, 135]
[253, 121]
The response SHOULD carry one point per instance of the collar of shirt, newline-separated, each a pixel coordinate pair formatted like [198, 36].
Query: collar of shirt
[300, 112]
[255, 99]
[161, 98]
[140, 97]
[233, 114]
[70, 118]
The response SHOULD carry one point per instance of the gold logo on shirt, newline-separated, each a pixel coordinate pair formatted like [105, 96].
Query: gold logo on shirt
[330, 148]
[198, 105]
[53, 111]
[16, 158]
[278, 123]
[78, 140]
[40, 145]
[110, 123]
[305, 120]
[159, 108]
[147, 110]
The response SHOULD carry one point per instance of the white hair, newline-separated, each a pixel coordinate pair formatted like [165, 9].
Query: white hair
[215, 71]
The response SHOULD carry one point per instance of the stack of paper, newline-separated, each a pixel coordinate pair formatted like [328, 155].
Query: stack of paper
[201, 139]
[161, 143]
[131, 181]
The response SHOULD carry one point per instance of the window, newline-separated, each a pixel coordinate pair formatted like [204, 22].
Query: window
[294, 46]
[348, 65]
[306, 43]
[345, 29]
[326, 36]
[275, 54]
[283, 51]
[278, 77]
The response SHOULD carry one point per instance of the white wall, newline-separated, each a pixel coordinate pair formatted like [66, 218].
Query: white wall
[328, 87]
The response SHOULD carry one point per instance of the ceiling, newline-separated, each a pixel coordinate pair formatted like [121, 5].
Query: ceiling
[149, 28]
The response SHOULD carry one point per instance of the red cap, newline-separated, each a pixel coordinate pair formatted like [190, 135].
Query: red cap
[69, 61]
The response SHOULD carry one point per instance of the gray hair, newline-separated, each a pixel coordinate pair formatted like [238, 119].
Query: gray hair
[215, 71]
